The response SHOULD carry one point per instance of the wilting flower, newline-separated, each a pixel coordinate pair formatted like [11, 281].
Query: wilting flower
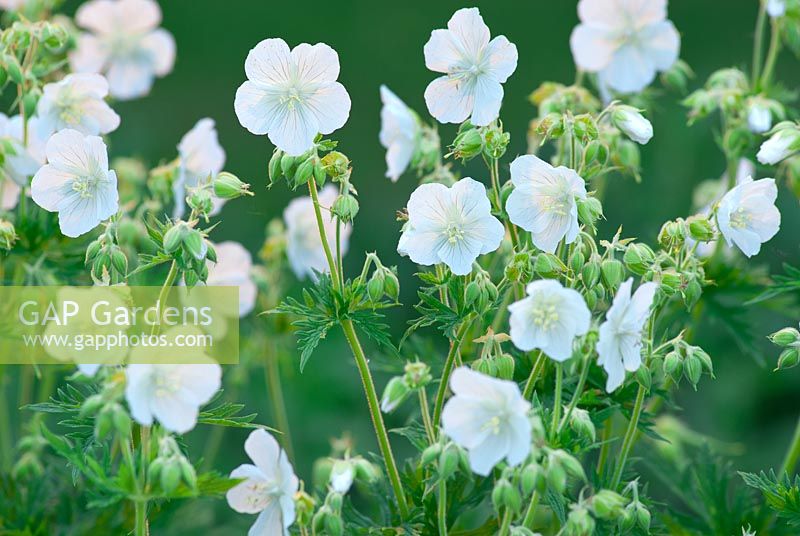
[759, 118]
[77, 102]
[488, 417]
[543, 201]
[172, 394]
[201, 156]
[620, 343]
[303, 245]
[747, 215]
[625, 42]
[630, 121]
[269, 487]
[782, 144]
[776, 8]
[232, 269]
[292, 95]
[474, 67]
[125, 44]
[450, 225]
[400, 131]
[76, 182]
[549, 319]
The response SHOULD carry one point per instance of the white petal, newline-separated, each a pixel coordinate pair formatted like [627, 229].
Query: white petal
[591, 47]
[174, 413]
[469, 30]
[269, 522]
[10, 196]
[449, 100]
[241, 497]
[161, 46]
[601, 13]
[256, 108]
[294, 129]
[488, 97]
[89, 56]
[486, 455]
[331, 107]
[48, 187]
[459, 255]
[442, 52]
[130, 79]
[97, 15]
[520, 440]
[137, 16]
[315, 64]
[428, 205]
[265, 452]
[630, 70]
[422, 247]
[269, 62]
[661, 43]
[502, 58]
[137, 393]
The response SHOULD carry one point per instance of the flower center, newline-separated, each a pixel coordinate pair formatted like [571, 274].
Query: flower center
[493, 425]
[261, 493]
[292, 98]
[166, 384]
[454, 233]
[740, 218]
[545, 316]
[86, 187]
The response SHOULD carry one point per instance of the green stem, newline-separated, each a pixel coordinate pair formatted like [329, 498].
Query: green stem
[758, 45]
[557, 399]
[573, 403]
[163, 294]
[312, 190]
[772, 55]
[6, 441]
[630, 434]
[140, 527]
[273, 379]
[377, 418]
[538, 365]
[790, 461]
[430, 432]
[605, 440]
[449, 361]
[506, 524]
[530, 514]
[442, 507]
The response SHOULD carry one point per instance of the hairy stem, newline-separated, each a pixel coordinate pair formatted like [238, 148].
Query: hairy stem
[442, 507]
[557, 399]
[312, 190]
[273, 380]
[530, 514]
[538, 365]
[449, 361]
[630, 434]
[426, 416]
[792, 454]
[573, 403]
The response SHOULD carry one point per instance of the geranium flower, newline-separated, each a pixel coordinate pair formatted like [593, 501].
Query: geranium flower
[400, 131]
[201, 156]
[543, 201]
[172, 394]
[232, 269]
[303, 244]
[488, 417]
[747, 215]
[782, 144]
[619, 345]
[474, 67]
[77, 102]
[269, 487]
[18, 164]
[76, 182]
[452, 225]
[776, 8]
[125, 44]
[292, 95]
[549, 318]
[626, 42]
[632, 123]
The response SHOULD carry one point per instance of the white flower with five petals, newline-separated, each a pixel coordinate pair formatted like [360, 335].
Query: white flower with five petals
[489, 418]
[625, 41]
[269, 486]
[452, 225]
[400, 133]
[747, 215]
[474, 68]
[544, 201]
[549, 319]
[201, 156]
[125, 44]
[292, 95]
[77, 102]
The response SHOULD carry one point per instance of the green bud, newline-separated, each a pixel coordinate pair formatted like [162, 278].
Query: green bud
[101, 265]
[556, 477]
[8, 234]
[188, 473]
[700, 228]
[304, 507]
[366, 470]
[333, 525]
[547, 265]
[200, 201]
[612, 272]
[319, 174]
[504, 495]
[570, 463]
[579, 522]
[431, 453]
[643, 377]
[581, 423]
[448, 461]
[471, 293]
[155, 468]
[531, 478]
[119, 262]
[91, 405]
[375, 286]
[195, 245]
[394, 394]
[228, 186]
[577, 261]
[673, 366]
[692, 292]
[585, 127]
[13, 69]
[336, 164]
[642, 517]
[170, 476]
[417, 374]
[596, 151]
[121, 420]
[92, 250]
[391, 285]
[670, 281]
[638, 258]
[591, 299]
[590, 209]
[785, 337]
[334, 498]
[607, 504]
[468, 144]
[789, 358]
[692, 369]
[485, 365]
[274, 167]
[496, 142]
[672, 234]
[29, 101]
[345, 207]
[591, 273]
[288, 165]
[304, 172]
[104, 422]
[174, 236]
[505, 367]
[677, 77]
[705, 359]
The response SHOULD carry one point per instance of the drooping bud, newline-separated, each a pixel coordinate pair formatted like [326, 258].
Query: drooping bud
[581, 423]
[579, 522]
[785, 337]
[789, 358]
[505, 495]
[630, 121]
[345, 207]
[590, 209]
[496, 142]
[673, 366]
[228, 186]
[607, 504]
[394, 394]
[612, 272]
[700, 228]
[336, 164]
[638, 258]
[784, 142]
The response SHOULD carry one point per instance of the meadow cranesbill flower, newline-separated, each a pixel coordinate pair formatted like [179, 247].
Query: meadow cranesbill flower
[489, 418]
[400, 131]
[776, 8]
[544, 201]
[201, 157]
[25, 161]
[747, 215]
[172, 394]
[292, 95]
[631, 122]
[125, 44]
[76, 182]
[452, 225]
[269, 486]
[626, 42]
[759, 117]
[474, 70]
[782, 144]
[549, 319]
[232, 269]
[620, 343]
[77, 102]
[303, 244]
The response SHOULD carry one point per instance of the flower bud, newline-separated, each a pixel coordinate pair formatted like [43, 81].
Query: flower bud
[613, 272]
[596, 151]
[496, 142]
[471, 293]
[418, 374]
[335, 164]
[188, 473]
[366, 470]
[154, 469]
[585, 128]
[304, 507]
[670, 281]
[784, 142]
[195, 245]
[785, 337]
[638, 258]
[505, 495]
[576, 261]
[590, 209]
[644, 377]
[119, 262]
[391, 285]
[431, 453]
[579, 522]
[92, 250]
[642, 516]
[104, 422]
[228, 186]
[448, 461]
[672, 234]
[91, 405]
[288, 165]
[705, 359]
[581, 423]
[677, 77]
[274, 167]
[375, 286]
[673, 366]
[468, 144]
[121, 420]
[632, 123]
[394, 394]
[532, 478]
[692, 293]
[174, 236]
[304, 172]
[345, 207]
[607, 504]
[8, 234]
[547, 265]
[692, 369]
[759, 116]
[342, 474]
[591, 272]
[170, 476]
[505, 367]
[789, 358]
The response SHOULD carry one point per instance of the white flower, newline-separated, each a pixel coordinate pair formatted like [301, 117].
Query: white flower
[620, 342]
[544, 201]
[782, 144]
[232, 269]
[625, 41]
[77, 102]
[342, 475]
[759, 118]
[76, 182]
[776, 8]
[292, 95]
[125, 44]
[450, 225]
[632, 123]
[201, 156]
[269, 487]
[400, 131]
[172, 394]
[474, 69]
[25, 161]
[303, 244]
[488, 417]
[549, 319]
[747, 215]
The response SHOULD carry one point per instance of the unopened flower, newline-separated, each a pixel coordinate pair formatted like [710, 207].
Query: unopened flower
[232, 269]
[630, 121]
[782, 144]
[549, 319]
[759, 118]
[172, 394]
[544, 201]
[452, 225]
[303, 245]
[76, 182]
[269, 486]
[342, 474]
[474, 68]
[747, 215]
[400, 131]
[78, 102]
[776, 8]
[620, 343]
[125, 44]
[201, 156]
[488, 417]
[292, 95]
[626, 43]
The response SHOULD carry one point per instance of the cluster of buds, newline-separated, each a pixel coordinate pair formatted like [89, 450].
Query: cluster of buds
[506, 495]
[107, 260]
[382, 282]
[298, 170]
[416, 376]
[493, 361]
[328, 519]
[581, 424]
[552, 97]
[190, 249]
[8, 235]
[471, 141]
[559, 465]
[480, 292]
[520, 268]
[107, 411]
[171, 467]
[789, 340]
[448, 457]
[686, 360]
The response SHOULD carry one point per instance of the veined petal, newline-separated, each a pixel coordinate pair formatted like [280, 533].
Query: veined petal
[503, 57]
[49, 186]
[459, 255]
[449, 99]
[315, 64]
[264, 450]
[294, 129]
[331, 106]
[241, 497]
[488, 97]
[269, 62]
[442, 52]
[256, 107]
[591, 47]
[428, 206]
[468, 27]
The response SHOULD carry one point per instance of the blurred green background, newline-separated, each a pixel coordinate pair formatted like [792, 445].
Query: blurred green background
[381, 43]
